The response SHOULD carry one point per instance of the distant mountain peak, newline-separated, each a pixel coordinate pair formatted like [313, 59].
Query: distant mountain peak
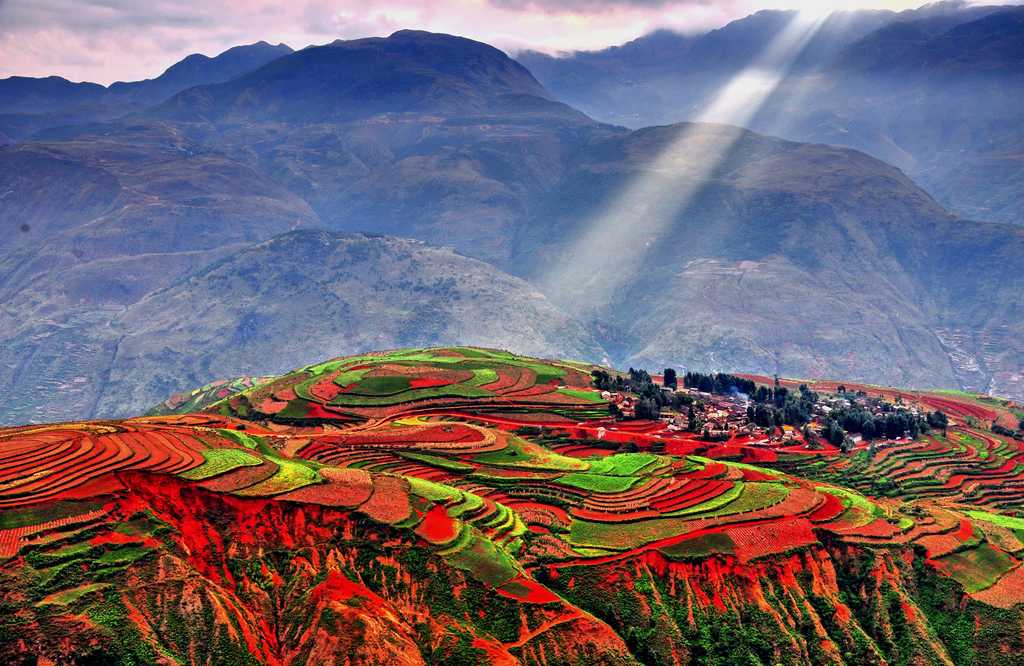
[408, 71]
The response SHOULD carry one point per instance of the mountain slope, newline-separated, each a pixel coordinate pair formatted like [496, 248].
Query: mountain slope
[132, 206]
[935, 91]
[334, 293]
[90, 228]
[197, 70]
[802, 259]
[430, 136]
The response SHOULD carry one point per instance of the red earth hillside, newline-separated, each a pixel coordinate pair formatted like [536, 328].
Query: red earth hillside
[471, 506]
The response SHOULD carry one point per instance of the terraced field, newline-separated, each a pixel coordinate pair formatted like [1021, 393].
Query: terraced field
[470, 487]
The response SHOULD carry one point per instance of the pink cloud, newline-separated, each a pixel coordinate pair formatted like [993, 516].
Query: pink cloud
[110, 40]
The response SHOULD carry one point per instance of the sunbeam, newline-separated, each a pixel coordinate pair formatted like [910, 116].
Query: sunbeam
[616, 241]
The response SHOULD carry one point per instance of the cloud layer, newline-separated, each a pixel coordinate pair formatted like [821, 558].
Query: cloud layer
[109, 40]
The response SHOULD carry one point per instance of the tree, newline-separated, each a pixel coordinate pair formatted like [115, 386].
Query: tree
[693, 420]
[647, 408]
[834, 433]
[680, 400]
[670, 381]
[603, 380]
[938, 420]
[811, 437]
[764, 416]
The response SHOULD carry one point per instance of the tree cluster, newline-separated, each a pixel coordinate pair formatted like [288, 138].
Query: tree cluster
[938, 420]
[1003, 430]
[720, 383]
[606, 381]
[890, 424]
[778, 406]
[650, 397]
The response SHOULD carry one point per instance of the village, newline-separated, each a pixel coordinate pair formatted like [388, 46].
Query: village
[730, 416]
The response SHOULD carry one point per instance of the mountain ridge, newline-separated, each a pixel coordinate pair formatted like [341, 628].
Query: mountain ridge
[517, 186]
[933, 91]
[29, 105]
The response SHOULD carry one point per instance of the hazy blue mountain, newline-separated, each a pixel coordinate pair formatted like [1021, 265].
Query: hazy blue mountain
[28, 105]
[937, 91]
[337, 294]
[789, 257]
[198, 70]
[799, 258]
[410, 71]
[23, 94]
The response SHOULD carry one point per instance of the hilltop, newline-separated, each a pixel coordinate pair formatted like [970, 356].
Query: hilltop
[467, 504]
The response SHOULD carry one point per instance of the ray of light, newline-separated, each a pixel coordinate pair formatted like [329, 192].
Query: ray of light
[616, 241]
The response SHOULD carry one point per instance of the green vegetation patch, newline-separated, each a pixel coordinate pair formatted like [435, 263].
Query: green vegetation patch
[483, 377]
[624, 536]
[753, 497]
[437, 461]
[238, 437]
[435, 492]
[520, 453]
[67, 597]
[714, 504]
[1009, 522]
[859, 509]
[469, 504]
[386, 385]
[582, 395]
[123, 555]
[290, 475]
[464, 390]
[485, 561]
[219, 461]
[12, 518]
[739, 465]
[622, 464]
[42, 559]
[977, 568]
[598, 483]
[718, 543]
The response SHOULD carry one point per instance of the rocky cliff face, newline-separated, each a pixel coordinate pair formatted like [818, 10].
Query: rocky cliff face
[835, 604]
[186, 575]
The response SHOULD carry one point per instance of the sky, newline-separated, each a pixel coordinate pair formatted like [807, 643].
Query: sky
[124, 40]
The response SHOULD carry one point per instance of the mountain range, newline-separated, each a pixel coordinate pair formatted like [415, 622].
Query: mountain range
[28, 105]
[223, 214]
[935, 91]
